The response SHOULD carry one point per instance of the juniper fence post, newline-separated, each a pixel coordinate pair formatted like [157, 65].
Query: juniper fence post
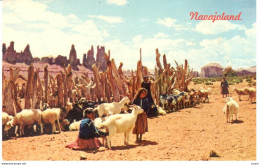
[29, 87]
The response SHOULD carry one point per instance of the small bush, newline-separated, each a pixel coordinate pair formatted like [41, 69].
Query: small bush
[209, 83]
[249, 80]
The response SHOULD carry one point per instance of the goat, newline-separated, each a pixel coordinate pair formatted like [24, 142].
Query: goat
[111, 108]
[121, 123]
[231, 107]
[204, 93]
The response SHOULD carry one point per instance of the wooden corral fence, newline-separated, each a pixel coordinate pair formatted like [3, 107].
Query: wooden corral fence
[108, 86]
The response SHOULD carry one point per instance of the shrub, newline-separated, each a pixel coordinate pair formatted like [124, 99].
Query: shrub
[209, 83]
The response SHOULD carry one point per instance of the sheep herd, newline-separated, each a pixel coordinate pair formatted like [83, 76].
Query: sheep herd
[115, 116]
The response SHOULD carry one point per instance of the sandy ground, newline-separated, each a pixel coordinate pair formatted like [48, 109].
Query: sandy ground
[189, 134]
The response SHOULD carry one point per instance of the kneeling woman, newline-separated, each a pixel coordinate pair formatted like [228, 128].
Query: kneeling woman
[88, 133]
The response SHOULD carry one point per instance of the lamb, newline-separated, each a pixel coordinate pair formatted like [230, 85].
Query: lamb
[111, 108]
[121, 123]
[231, 107]
[50, 116]
[240, 92]
[25, 117]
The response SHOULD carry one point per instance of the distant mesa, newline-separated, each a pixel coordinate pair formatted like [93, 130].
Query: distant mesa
[246, 72]
[216, 70]
[212, 70]
[11, 56]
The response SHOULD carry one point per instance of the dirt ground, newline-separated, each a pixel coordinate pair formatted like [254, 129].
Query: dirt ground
[189, 134]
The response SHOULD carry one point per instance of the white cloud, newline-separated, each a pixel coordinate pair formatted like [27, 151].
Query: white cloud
[109, 19]
[251, 32]
[208, 27]
[209, 43]
[160, 35]
[190, 44]
[51, 33]
[117, 2]
[170, 22]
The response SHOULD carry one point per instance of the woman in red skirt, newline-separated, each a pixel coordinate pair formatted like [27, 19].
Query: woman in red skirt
[88, 133]
[141, 124]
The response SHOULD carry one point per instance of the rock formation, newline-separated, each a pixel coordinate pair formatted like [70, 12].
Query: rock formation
[212, 70]
[73, 61]
[3, 49]
[10, 54]
[246, 72]
[195, 73]
[25, 56]
[36, 59]
[101, 58]
[49, 60]
[61, 60]
[13, 57]
[89, 60]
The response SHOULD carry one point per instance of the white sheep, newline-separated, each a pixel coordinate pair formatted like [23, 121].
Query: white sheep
[75, 125]
[230, 108]
[240, 92]
[111, 108]
[251, 93]
[5, 119]
[161, 111]
[25, 117]
[50, 116]
[121, 123]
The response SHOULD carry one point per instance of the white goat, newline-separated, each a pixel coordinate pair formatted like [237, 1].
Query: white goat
[230, 108]
[111, 108]
[121, 123]
[25, 117]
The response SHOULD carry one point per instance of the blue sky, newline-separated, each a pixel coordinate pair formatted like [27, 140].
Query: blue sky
[125, 26]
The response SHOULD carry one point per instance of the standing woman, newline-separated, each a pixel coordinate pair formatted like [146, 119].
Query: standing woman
[141, 124]
[224, 87]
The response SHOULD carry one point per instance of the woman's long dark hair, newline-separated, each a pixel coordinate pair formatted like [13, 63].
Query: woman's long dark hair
[141, 90]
